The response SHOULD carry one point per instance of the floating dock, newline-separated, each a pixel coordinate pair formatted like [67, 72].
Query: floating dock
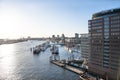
[70, 68]
[73, 69]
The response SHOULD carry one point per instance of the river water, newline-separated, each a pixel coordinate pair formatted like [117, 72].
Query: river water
[17, 62]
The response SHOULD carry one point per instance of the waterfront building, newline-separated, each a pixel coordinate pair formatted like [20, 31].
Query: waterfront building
[63, 38]
[58, 36]
[85, 46]
[53, 38]
[76, 35]
[58, 39]
[73, 42]
[104, 30]
[77, 39]
[70, 42]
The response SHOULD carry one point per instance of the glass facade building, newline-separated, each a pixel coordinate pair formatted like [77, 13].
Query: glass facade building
[104, 30]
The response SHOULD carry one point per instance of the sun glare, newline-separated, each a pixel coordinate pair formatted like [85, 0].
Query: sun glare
[7, 55]
[9, 22]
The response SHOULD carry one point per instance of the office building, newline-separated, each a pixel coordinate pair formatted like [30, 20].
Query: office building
[104, 30]
[85, 46]
[76, 39]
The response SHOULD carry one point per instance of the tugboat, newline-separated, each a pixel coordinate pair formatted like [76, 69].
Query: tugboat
[54, 50]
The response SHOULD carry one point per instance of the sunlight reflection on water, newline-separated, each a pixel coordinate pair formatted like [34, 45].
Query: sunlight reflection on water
[18, 63]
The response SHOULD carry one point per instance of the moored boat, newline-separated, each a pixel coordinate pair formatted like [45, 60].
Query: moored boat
[36, 50]
[54, 50]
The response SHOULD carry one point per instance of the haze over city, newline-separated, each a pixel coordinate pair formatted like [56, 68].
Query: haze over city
[43, 18]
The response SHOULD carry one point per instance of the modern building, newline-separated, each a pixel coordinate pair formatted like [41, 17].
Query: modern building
[73, 42]
[70, 42]
[63, 38]
[85, 46]
[76, 35]
[104, 30]
[58, 36]
[58, 39]
[77, 39]
[53, 38]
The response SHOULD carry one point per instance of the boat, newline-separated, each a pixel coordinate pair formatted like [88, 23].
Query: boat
[54, 50]
[36, 50]
[44, 46]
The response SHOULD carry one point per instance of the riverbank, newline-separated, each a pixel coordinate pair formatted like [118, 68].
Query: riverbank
[2, 41]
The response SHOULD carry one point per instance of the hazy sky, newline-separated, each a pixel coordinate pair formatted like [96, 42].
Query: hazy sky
[41, 18]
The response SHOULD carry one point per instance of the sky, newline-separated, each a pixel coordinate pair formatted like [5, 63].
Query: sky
[43, 18]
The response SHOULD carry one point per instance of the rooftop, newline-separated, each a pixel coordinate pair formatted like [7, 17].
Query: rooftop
[106, 12]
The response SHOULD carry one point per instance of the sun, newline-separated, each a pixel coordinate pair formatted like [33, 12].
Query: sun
[10, 22]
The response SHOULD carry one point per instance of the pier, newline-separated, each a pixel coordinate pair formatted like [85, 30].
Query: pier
[70, 68]
[72, 65]
[82, 73]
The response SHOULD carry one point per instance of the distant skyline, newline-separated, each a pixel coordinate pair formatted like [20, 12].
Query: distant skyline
[43, 18]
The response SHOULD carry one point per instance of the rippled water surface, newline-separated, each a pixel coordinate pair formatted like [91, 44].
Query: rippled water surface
[18, 63]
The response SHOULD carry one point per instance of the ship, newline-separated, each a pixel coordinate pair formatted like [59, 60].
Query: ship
[54, 50]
